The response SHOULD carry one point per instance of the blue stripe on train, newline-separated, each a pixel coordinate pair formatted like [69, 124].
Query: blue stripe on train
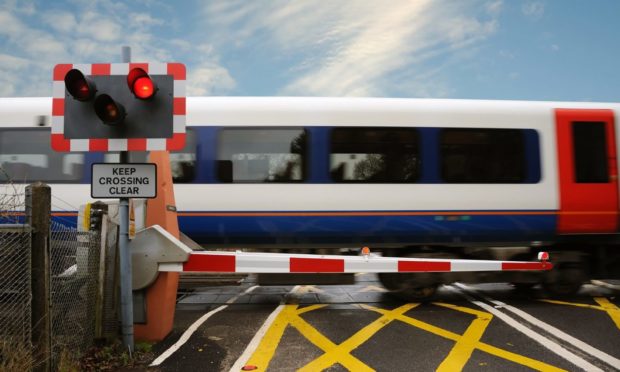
[416, 229]
[345, 230]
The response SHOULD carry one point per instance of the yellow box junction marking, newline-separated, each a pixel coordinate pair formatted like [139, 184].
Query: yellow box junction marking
[342, 353]
[604, 305]
[504, 354]
[461, 352]
[268, 345]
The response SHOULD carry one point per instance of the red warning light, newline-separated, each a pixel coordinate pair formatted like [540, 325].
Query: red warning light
[143, 88]
[543, 256]
[141, 84]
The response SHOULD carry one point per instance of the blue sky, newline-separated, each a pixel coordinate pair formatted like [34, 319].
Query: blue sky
[483, 49]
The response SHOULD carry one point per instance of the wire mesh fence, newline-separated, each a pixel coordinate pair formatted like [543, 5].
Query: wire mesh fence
[72, 273]
[75, 258]
[74, 268]
[15, 295]
[15, 280]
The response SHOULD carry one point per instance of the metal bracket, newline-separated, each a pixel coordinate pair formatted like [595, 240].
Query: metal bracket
[153, 246]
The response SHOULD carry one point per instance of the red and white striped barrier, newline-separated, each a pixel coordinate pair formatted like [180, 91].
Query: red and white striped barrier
[259, 263]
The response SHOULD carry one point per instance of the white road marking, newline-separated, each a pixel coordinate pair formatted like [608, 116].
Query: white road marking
[190, 331]
[603, 284]
[373, 288]
[599, 354]
[251, 348]
[547, 343]
[308, 289]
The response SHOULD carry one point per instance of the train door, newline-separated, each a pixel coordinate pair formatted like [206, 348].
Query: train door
[588, 172]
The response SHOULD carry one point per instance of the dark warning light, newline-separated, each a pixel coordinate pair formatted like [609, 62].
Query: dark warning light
[141, 84]
[78, 86]
[109, 111]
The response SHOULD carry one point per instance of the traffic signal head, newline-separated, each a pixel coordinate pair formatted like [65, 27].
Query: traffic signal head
[141, 84]
[78, 86]
[141, 104]
[109, 111]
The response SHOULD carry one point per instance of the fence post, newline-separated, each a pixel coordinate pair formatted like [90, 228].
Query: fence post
[38, 206]
[98, 223]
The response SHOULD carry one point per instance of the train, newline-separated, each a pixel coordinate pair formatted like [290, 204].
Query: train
[406, 177]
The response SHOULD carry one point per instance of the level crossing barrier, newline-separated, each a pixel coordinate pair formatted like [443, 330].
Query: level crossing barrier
[155, 250]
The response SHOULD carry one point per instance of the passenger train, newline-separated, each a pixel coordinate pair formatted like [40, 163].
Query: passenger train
[407, 177]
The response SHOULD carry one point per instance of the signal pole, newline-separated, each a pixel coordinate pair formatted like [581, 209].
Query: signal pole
[125, 254]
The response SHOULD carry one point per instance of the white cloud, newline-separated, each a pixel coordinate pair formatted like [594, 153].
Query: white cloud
[11, 25]
[61, 21]
[13, 63]
[88, 32]
[495, 7]
[351, 48]
[98, 27]
[26, 7]
[143, 20]
[10, 73]
[533, 10]
[7, 88]
[86, 48]
[209, 79]
[369, 53]
[333, 48]
[39, 44]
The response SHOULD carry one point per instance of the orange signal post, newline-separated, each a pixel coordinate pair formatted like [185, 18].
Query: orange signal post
[161, 295]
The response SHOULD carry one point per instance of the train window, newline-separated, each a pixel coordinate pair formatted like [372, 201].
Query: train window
[26, 156]
[182, 162]
[483, 156]
[374, 155]
[590, 147]
[261, 155]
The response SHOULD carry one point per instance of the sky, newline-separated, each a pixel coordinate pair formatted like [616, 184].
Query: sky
[552, 50]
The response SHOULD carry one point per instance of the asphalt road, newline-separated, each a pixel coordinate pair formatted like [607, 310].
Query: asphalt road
[360, 327]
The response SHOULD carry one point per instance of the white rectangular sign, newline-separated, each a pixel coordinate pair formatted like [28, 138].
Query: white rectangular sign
[113, 181]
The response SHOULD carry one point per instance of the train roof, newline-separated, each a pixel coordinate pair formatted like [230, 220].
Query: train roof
[23, 111]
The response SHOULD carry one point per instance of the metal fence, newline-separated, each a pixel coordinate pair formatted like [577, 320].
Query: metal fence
[15, 295]
[75, 284]
[74, 259]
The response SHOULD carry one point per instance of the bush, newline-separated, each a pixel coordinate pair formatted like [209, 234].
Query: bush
[114, 357]
[15, 356]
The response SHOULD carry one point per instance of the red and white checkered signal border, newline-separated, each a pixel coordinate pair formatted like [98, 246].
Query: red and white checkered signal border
[256, 263]
[60, 143]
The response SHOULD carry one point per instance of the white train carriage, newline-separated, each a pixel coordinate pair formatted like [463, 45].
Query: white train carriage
[406, 176]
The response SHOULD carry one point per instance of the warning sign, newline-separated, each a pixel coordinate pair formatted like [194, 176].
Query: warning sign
[113, 181]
